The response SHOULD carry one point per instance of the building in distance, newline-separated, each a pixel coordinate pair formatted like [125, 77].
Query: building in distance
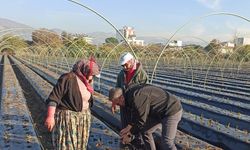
[175, 43]
[242, 41]
[129, 35]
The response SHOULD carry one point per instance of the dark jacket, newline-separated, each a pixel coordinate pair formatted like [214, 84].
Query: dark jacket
[139, 77]
[146, 101]
[66, 93]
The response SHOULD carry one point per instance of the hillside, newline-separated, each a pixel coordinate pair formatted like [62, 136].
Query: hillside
[15, 28]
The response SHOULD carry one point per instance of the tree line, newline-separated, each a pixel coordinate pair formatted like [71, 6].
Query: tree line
[76, 44]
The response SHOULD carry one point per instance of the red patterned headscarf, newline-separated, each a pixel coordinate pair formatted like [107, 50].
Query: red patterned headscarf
[84, 68]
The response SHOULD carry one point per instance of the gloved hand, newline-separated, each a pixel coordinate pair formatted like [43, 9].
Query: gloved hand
[50, 120]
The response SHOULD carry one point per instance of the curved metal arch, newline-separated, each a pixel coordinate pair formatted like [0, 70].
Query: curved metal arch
[74, 43]
[48, 45]
[16, 35]
[104, 61]
[198, 52]
[228, 58]
[105, 19]
[192, 20]
[11, 47]
[7, 46]
[243, 60]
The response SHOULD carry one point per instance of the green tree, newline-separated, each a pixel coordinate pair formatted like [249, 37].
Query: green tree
[111, 40]
[79, 46]
[243, 53]
[66, 38]
[213, 46]
[12, 43]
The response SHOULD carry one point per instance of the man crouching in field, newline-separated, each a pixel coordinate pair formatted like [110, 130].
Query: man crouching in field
[150, 106]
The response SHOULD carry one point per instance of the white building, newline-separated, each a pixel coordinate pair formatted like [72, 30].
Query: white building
[136, 42]
[175, 43]
[129, 34]
[230, 44]
[242, 41]
[227, 47]
[89, 40]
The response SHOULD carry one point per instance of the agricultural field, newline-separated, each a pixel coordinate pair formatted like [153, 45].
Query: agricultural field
[215, 100]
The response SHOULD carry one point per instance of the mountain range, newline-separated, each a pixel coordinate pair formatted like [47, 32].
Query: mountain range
[8, 24]
[11, 27]
[98, 37]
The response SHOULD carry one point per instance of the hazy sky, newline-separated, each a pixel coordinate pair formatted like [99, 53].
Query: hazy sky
[149, 17]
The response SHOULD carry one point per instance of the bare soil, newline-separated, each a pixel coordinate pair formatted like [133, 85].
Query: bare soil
[37, 110]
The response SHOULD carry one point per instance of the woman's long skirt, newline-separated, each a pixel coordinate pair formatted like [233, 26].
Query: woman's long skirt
[71, 131]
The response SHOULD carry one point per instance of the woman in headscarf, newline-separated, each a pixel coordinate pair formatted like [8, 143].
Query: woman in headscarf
[68, 114]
